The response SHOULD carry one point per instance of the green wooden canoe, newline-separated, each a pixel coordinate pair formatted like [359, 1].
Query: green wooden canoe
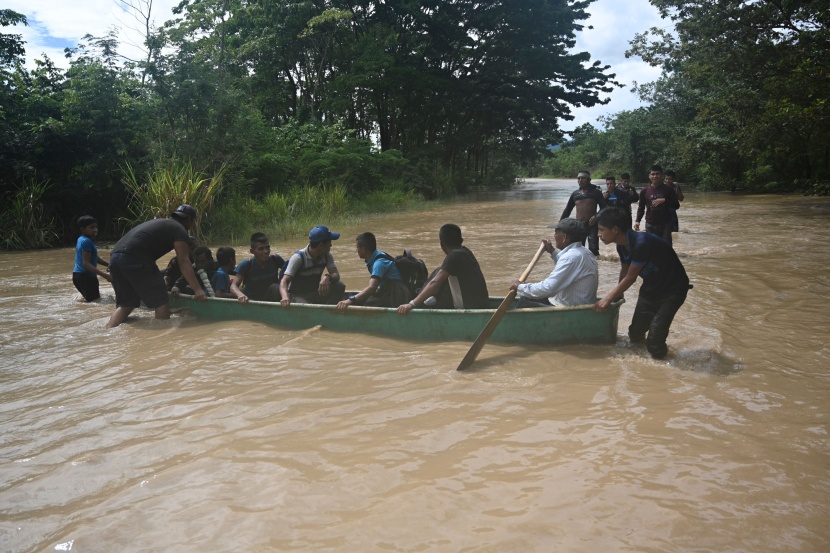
[545, 326]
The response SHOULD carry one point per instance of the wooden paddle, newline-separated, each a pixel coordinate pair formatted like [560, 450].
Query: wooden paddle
[485, 334]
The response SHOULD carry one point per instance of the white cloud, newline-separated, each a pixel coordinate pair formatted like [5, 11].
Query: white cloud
[615, 22]
[58, 24]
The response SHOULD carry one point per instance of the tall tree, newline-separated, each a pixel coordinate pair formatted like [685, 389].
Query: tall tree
[750, 84]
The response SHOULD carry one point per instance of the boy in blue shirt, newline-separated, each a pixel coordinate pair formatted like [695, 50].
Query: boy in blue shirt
[665, 283]
[221, 279]
[86, 272]
[386, 286]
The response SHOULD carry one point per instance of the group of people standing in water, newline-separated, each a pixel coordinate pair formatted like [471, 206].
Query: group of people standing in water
[310, 275]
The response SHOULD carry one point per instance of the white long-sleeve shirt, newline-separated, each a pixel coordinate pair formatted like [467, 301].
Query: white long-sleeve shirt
[574, 279]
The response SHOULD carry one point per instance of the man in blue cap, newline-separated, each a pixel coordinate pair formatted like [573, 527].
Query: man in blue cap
[136, 277]
[311, 275]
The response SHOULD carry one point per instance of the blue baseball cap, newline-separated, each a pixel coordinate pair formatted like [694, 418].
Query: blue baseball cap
[321, 234]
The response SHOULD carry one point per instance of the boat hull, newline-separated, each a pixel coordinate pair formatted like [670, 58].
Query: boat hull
[544, 326]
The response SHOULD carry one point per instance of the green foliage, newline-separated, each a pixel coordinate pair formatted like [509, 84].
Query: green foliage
[744, 88]
[169, 185]
[24, 220]
[330, 99]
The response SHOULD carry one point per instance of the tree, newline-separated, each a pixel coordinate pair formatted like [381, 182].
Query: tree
[748, 87]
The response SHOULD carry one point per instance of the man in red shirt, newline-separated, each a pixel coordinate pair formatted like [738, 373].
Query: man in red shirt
[657, 202]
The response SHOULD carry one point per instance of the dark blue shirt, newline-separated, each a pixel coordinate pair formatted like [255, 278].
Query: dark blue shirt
[662, 272]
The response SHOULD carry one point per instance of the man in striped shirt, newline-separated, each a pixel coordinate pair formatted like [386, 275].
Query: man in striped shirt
[575, 277]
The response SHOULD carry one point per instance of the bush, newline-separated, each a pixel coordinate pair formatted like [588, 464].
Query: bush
[24, 222]
[168, 186]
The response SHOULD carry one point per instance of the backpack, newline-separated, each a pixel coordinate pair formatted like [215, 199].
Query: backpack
[413, 271]
[280, 262]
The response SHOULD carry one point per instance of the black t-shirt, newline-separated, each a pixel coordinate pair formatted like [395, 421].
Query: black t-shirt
[461, 264]
[152, 239]
[662, 272]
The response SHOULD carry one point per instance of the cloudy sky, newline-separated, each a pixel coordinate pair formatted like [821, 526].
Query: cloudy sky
[57, 24]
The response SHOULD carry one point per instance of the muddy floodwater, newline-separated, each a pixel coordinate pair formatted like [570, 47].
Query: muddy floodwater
[190, 436]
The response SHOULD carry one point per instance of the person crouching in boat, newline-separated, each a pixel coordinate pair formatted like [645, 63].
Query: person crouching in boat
[575, 276]
[311, 275]
[460, 273]
[386, 287]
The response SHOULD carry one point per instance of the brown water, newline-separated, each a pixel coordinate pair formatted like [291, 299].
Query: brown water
[181, 436]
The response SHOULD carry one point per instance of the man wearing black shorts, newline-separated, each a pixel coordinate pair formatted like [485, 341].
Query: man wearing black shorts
[136, 277]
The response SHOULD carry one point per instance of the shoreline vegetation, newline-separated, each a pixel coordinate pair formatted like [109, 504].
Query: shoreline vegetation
[289, 111]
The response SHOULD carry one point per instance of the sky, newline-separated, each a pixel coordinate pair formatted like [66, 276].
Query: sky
[57, 24]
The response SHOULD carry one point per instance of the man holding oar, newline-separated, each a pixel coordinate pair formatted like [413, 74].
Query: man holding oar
[575, 277]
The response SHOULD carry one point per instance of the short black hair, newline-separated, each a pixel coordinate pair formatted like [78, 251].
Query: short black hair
[611, 177]
[450, 235]
[368, 241]
[258, 238]
[670, 173]
[87, 220]
[656, 167]
[203, 250]
[610, 217]
[224, 255]
[625, 176]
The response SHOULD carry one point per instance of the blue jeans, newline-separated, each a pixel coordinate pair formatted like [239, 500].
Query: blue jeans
[655, 317]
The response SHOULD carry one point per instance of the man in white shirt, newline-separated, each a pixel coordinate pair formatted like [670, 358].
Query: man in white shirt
[575, 277]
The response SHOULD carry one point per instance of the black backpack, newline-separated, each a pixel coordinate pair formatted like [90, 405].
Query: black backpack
[413, 271]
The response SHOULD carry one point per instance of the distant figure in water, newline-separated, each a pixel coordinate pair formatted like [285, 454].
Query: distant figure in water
[657, 201]
[586, 199]
[136, 277]
[86, 272]
[665, 283]
[669, 181]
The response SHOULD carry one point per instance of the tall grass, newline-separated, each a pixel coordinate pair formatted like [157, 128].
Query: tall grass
[169, 185]
[24, 221]
[298, 210]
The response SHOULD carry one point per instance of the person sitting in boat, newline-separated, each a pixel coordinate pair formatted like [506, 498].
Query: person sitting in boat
[311, 275]
[460, 273]
[386, 286]
[575, 276]
[203, 266]
[226, 268]
[257, 278]
[172, 272]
